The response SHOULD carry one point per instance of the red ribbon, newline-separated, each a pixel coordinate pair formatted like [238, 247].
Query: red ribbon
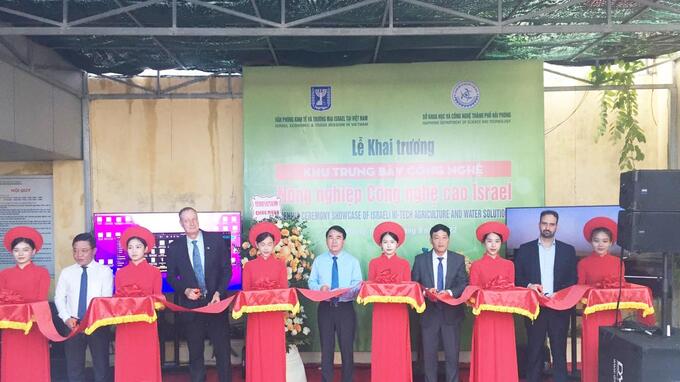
[318, 296]
[501, 294]
[611, 283]
[265, 284]
[564, 299]
[404, 293]
[131, 290]
[504, 297]
[8, 296]
[387, 277]
[267, 300]
[469, 292]
[499, 282]
[633, 296]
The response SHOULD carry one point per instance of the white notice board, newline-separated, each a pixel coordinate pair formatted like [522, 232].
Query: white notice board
[27, 200]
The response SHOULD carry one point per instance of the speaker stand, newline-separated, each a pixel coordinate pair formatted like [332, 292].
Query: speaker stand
[666, 296]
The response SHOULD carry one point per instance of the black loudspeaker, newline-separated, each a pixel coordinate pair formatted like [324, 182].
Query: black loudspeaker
[649, 231]
[650, 190]
[637, 357]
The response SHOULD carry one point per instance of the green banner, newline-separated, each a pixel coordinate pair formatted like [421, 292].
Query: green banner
[419, 144]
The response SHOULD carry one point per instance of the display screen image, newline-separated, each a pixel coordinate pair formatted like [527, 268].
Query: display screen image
[108, 227]
[641, 268]
[523, 224]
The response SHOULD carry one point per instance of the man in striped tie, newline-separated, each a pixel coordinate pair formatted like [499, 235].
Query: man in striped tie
[332, 270]
[199, 271]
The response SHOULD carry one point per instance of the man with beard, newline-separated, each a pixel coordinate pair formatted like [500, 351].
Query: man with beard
[546, 265]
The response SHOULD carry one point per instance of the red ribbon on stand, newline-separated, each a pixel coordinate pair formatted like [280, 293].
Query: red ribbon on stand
[130, 306]
[267, 300]
[499, 295]
[633, 296]
[395, 293]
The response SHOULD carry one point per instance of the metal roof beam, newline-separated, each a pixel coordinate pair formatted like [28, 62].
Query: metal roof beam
[654, 65]
[500, 19]
[174, 13]
[97, 96]
[8, 45]
[334, 12]
[64, 12]
[660, 6]
[29, 16]
[451, 11]
[486, 46]
[153, 38]
[606, 34]
[388, 5]
[340, 32]
[234, 13]
[265, 48]
[580, 88]
[567, 76]
[269, 41]
[113, 12]
[541, 12]
[283, 12]
[186, 83]
[128, 83]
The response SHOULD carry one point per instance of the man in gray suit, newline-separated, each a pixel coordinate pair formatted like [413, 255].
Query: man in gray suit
[442, 272]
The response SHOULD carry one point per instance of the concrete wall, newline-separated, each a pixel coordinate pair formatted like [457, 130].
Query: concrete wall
[40, 117]
[162, 155]
[582, 169]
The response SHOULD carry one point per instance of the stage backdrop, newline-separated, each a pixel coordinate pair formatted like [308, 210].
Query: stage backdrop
[419, 144]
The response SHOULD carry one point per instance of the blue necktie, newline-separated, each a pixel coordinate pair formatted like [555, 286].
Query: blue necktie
[82, 297]
[335, 278]
[198, 268]
[440, 274]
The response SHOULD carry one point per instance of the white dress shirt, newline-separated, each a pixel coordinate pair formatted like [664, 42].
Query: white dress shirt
[546, 258]
[99, 284]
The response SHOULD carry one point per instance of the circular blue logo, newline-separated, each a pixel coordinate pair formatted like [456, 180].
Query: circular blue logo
[465, 94]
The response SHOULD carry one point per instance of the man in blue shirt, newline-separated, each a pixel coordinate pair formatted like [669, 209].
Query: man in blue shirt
[336, 269]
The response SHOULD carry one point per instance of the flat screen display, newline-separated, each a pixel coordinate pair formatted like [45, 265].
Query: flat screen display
[108, 227]
[641, 268]
[523, 224]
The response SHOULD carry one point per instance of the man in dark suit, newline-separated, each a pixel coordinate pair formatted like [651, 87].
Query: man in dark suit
[546, 265]
[443, 272]
[199, 270]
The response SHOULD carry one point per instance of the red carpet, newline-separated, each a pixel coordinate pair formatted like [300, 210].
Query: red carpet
[362, 373]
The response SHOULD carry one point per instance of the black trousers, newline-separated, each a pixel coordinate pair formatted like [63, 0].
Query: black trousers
[449, 335]
[555, 324]
[75, 347]
[337, 318]
[216, 328]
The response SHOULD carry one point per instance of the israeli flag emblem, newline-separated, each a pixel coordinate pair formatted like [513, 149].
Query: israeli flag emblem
[320, 98]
